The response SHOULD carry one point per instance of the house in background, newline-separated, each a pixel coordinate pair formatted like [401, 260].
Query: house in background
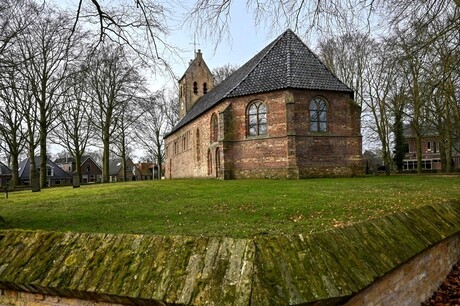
[5, 174]
[91, 172]
[148, 171]
[431, 154]
[55, 175]
[116, 170]
[283, 114]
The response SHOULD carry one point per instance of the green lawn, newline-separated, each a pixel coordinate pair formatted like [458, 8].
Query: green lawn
[242, 208]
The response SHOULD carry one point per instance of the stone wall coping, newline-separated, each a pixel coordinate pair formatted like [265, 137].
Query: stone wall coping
[327, 267]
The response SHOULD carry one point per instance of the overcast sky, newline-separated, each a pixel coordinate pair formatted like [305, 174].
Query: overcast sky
[243, 42]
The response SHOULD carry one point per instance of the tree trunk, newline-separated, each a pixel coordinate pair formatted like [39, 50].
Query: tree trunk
[33, 175]
[449, 154]
[14, 170]
[418, 141]
[105, 161]
[159, 156]
[78, 166]
[123, 156]
[43, 158]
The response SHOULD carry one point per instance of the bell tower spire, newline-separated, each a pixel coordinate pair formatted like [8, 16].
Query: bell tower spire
[195, 83]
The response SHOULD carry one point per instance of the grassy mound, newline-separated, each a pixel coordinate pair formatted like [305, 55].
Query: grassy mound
[239, 209]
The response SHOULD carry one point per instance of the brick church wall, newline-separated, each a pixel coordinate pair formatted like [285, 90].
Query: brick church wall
[289, 150]
[191, 160]
[336, 152]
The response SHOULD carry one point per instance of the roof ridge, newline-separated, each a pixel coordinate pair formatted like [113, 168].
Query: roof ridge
[324, 65]
[267, 50]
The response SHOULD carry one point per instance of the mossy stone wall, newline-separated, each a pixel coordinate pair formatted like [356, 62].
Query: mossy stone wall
[327, 267]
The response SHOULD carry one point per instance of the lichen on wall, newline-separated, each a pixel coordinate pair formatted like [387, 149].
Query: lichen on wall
[326, 267]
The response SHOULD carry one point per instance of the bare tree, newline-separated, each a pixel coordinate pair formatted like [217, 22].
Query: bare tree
[112, 81]
[154, 123]
[13, 21]
[347, 56]
[47, 49]
[139, 25]
[75, 114]
[380, 81]
[14, 95]
[11, 120]
[221, 73]
[29, 110]
[212, 17]
[128, 117]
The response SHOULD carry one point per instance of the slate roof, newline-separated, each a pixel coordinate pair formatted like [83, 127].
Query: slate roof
[64, 160]
[115, 166]
[285, 63]
[426, 131]
[24, 167]
[4, 170]
[71, 159]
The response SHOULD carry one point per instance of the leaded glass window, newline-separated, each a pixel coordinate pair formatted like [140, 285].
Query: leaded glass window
[318, 115]
[257, 119]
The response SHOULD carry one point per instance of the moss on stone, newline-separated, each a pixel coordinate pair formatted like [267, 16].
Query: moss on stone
[284, 269]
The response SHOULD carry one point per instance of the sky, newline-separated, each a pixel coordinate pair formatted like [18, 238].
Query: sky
[244, 40]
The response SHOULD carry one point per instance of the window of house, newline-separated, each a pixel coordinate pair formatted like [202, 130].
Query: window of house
[49, 171]
[214, 128]
[257, 118]
[129, 168]
[88, 167]
[205, 88]
[195, 87]
[428, 146]
[318, 115]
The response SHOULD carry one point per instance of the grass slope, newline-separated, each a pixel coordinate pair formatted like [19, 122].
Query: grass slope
[242, 208]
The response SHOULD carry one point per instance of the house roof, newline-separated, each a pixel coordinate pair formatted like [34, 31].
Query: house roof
[285, 63]
[64, 160]
[84, 159]
[115, 166]
[4, 170]
[24, 168]
[70, 159]
[425, 131]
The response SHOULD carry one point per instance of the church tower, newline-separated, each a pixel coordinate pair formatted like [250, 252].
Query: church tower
[195, 83]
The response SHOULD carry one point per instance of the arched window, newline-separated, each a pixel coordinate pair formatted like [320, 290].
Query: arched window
[318, 115]
[257, 119]
[205, 88]
[214, 128]
[195, 87]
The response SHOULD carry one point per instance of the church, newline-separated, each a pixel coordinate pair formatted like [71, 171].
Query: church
[282, 115]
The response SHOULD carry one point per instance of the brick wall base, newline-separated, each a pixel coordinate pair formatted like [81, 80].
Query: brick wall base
[13, 298]
[413, 282]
